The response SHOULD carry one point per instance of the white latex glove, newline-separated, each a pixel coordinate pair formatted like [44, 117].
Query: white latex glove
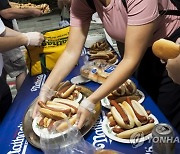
[85, 110]
[45, 94]
[34, 38]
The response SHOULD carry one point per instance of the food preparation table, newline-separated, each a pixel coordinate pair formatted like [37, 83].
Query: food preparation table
[13, 141]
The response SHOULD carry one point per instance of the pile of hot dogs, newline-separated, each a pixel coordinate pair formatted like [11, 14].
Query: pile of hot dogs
[61, 110]
[128, 88]
[102, 50]
[129, 117]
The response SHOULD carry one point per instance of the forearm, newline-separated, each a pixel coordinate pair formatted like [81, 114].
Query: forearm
[11, 42]
[70, 57]
[15, 13]
[62, 68]
[134, 52]
[11, 32]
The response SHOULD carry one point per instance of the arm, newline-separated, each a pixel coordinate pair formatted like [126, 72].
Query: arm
[70, 56]
[137, 40]
[17, 39]
[15, 13]
[10, 39]
[64, 65]
[134, 51]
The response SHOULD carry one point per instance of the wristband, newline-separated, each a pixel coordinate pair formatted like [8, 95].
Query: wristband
[88, 105]
[47, 92]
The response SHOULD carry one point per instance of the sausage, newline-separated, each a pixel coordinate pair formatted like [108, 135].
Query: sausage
[42, 105]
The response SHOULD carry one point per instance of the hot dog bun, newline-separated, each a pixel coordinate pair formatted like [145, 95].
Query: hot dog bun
[62, 105]
[165, 49]
[66, 101]
[52, 114]
[55, 105]
[64, 125]
[97, 71]
[145, 129]
[117, 112]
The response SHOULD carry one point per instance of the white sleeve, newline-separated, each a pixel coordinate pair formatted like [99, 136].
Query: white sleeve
[2, 27]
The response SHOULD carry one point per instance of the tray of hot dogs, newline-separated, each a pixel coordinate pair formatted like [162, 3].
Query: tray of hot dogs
[59, 112]
[103, 51]
[128, 121]
[127, 89]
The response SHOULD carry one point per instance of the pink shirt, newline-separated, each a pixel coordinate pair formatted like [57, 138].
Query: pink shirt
[115, 18]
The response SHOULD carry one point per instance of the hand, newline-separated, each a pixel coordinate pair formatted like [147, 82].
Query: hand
[35, 112]
[178, 41]
[34, 38]
[84, 113]
[173, 69]
[45, 94]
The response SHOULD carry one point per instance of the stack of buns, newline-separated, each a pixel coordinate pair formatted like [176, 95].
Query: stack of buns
[129, 89]
[97, 71]
[129, 117]
[60, 111]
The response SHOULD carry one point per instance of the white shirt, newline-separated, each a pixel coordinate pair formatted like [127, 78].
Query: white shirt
[2, 29]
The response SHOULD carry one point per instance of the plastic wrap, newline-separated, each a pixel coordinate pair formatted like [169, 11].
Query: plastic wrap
[68, 142]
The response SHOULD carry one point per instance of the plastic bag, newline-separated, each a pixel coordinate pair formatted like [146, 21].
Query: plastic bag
[69, 141]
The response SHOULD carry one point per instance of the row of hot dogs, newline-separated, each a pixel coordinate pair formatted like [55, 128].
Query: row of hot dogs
[129, 117]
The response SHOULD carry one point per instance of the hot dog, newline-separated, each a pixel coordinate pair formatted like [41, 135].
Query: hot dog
[62, 105]
[138, 111]
[65, 124]
[145, 129]
[55, 108]
[121, 115]
[66, 91]
[130, 87]
[52, 114]
[66, 101]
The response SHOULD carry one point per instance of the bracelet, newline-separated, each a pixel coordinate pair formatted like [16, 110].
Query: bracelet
[88, 105]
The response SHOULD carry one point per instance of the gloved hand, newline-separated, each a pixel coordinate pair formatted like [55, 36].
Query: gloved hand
[45, 94]
[85, 110]
[34, 38]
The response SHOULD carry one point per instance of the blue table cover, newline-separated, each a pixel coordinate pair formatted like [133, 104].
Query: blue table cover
[13, 141]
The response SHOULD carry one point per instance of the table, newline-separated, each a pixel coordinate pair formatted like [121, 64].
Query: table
[12, 139]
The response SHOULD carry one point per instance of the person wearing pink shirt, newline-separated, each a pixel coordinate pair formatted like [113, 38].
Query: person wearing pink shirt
[137, 27]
